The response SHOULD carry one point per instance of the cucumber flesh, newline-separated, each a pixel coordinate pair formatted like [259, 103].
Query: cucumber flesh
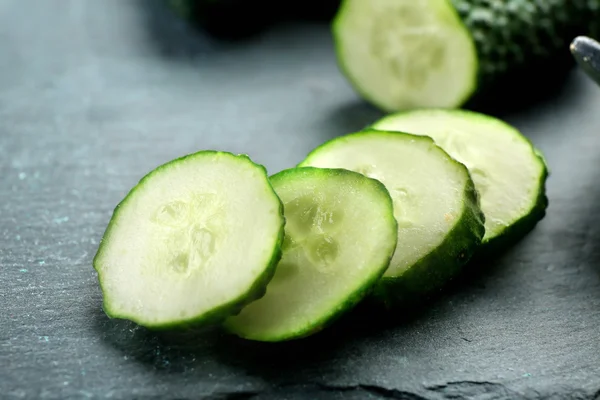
[339, 238]
[435, 204]
[194, 241]
[399, 54]
[509, 173]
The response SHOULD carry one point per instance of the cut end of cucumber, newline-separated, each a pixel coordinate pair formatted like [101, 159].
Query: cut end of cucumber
[404, 54]
[193, 242]
[508, 171]
[339, 238]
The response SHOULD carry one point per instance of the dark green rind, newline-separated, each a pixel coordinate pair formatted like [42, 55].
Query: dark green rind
[338, 18]
[218, 314]
[519, 44]
[369, 285]
[438, 267]
[524, 45]
[515, 34]
[520, 228]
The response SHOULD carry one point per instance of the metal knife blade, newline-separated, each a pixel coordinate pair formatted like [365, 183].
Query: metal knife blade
[586, 52]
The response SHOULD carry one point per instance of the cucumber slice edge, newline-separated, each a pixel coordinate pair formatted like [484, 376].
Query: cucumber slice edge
[216, 314]
[469, 228]
[358, 294]
[539, 202]
[462, 242]
[450, 16]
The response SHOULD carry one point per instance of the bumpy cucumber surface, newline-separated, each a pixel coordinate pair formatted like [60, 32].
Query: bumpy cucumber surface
[193, 242]
[339, 238]
[406, 54]
[517, 34]
[440, 225]
[509, 172]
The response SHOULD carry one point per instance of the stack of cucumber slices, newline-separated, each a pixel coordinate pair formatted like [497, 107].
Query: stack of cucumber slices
[392, 212]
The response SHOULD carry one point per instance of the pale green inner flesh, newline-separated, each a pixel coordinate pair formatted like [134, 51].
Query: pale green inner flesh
[426, 186]
[339, 235]
[506, 172]
[406, 53]
[193, 237]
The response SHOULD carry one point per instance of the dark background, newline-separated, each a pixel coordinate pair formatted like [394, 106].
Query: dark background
[94, 94]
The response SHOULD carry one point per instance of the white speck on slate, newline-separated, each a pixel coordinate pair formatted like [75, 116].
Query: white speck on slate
[61, 220]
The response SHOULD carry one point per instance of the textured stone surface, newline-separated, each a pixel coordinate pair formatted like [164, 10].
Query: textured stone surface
[94, 94]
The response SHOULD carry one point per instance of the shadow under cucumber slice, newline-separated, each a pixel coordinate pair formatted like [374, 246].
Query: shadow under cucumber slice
[340, 235]
[192, 243]
[440, 225]
[509, 172]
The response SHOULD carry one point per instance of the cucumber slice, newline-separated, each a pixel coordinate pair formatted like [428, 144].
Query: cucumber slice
[509, 173]
[435, 204]
[401, 54]
[339, 238]
[193, 242]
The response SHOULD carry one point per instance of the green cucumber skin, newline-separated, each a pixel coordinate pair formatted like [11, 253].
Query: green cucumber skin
[358, 88]
[421, 279]
[518, 44]
[215, 316]
[529, 53]
[440, 266]
[358, 295]
[520, 228]
[516, 34]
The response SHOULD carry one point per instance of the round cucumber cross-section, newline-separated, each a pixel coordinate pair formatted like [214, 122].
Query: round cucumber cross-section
[340, 235]
[402, 54]
[436, 206]
[193, 242]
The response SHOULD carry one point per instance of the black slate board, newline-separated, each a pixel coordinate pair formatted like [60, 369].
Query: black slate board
[94, 94]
